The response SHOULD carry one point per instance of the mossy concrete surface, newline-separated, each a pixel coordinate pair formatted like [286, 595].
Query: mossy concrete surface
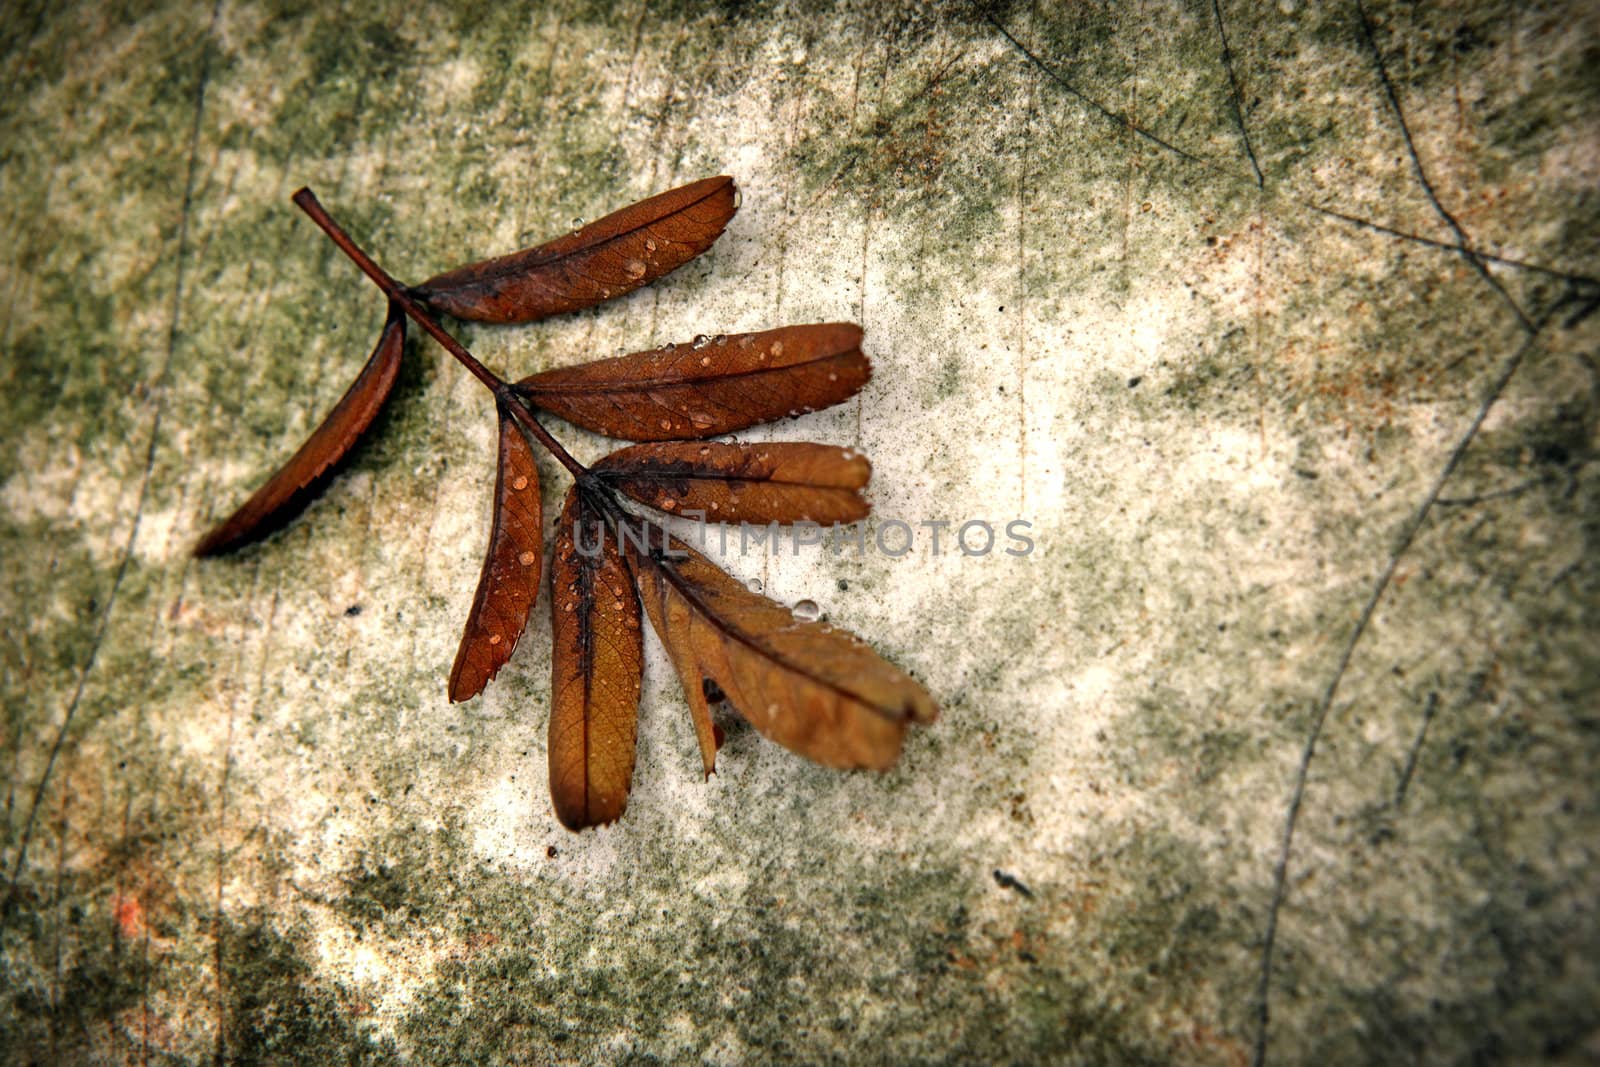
[1283, 740]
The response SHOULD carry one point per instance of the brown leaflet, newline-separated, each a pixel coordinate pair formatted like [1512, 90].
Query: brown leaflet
[607, 258]
[708, 387]
[596, 660]
[815, 690]
[288, 490]
[780, 482]
[509, 582]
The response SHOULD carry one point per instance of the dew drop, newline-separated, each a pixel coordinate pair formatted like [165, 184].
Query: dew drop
[700, 341]
[715, 506]
[669, 347]
[777, 348]
[738, 198]
[720, 339]
[807, 611]
[520, 483]
[577, 222]
[754, 585]
[705, 450]
[527, 559]
[494, 639]
[668, 504]
[568, 606]
[634, 268]
[666, 424]
[649, 245]
[705, 361]
[616, 605]
[832, 377]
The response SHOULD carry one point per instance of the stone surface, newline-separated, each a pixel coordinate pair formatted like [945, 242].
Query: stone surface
[1313, 503]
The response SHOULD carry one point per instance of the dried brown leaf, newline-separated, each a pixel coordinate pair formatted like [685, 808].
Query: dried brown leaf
[596, 661]
[605, 259]
[708, 387]
[509, 582]
[298, 480]
[816, 690]
[741, 482]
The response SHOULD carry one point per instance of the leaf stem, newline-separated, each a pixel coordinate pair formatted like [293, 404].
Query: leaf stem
[522, 413]
[307, 201]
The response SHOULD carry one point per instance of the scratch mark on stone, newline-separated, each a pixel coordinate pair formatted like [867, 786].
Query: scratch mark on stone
[633, 57]
[1493, 494]
[1073, 91]
[1233, 93]
[145, 970]
[118, 887]
[1410, 768]
[1325, 703]
[536, 165]
[217, 923]
[659, 123]
[158, 388]
[1448, 246]
[1257, 315]
[1462, 241]
[1590, 284]
[866, 220]
[1022, 286]
[63, 827]
[1280, 874]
